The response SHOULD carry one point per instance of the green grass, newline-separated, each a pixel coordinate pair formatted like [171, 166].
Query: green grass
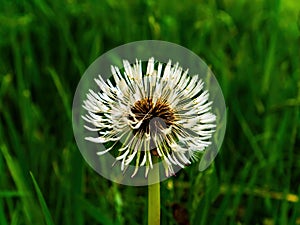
[252, 47]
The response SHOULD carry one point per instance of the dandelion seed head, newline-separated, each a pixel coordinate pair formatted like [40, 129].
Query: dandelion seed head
[161, 112]
[148, 107]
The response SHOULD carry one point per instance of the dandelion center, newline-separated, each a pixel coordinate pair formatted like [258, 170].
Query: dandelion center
[155, 116]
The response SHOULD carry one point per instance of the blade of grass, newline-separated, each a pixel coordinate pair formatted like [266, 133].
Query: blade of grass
[62, 92]
[249, 134]
[43, 204]
[30, 209]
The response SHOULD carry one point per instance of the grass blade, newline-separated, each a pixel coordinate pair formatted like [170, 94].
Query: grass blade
[43, 204]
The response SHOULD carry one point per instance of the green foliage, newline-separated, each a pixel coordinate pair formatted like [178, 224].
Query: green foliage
[252, 47]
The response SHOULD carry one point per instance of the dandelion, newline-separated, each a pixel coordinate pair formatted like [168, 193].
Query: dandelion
[149, 112]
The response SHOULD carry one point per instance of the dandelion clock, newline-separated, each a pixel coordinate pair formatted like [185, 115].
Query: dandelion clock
[145, 110]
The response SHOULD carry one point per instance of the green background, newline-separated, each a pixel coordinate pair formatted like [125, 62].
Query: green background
[253, 48]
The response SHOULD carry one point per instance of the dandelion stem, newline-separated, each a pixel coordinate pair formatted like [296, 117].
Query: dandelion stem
[154, 197]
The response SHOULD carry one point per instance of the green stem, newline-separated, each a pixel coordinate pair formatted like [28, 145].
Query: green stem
[154, 197]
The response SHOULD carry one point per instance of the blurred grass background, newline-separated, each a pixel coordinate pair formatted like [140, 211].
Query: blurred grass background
[253, 48]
